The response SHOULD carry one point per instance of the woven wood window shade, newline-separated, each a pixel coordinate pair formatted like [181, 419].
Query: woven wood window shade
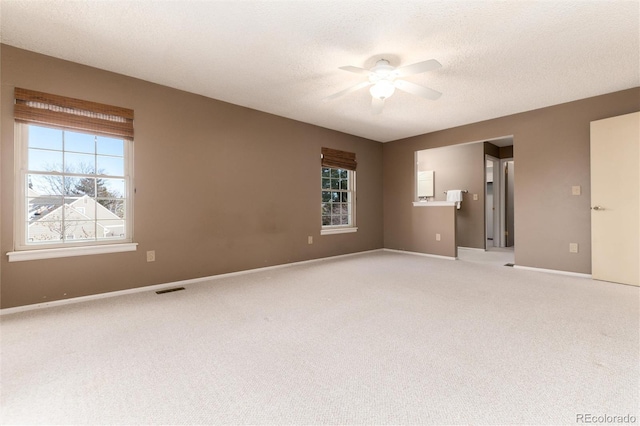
[33, 107]
[338, 159]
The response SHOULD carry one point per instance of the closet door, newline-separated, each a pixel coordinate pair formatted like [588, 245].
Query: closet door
[615, 199]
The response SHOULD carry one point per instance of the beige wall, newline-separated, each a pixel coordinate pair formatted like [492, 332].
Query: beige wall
[551, 150]
[425, 223]
[220, 188]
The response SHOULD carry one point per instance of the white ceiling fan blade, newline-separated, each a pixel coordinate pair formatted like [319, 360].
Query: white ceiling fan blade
[355, 69]
[376, 106]
[348, 90]
[419, 67]
[418, 90]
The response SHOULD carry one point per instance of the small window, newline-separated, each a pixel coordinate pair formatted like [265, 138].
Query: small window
[338, 185]
[338, 200]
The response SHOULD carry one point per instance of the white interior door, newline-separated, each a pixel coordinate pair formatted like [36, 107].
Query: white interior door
[615, 199]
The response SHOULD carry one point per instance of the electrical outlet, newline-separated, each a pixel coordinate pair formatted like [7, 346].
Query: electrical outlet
[309, 239]
[573, 247]
[475, 197]
[576, 190]
[151, 256]
[437, 237]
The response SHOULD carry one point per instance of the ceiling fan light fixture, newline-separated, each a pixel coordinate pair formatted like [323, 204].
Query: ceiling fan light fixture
[383, 80]
[382, 89]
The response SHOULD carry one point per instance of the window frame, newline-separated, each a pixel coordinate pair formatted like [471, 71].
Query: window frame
[352, 198]
[23, 250]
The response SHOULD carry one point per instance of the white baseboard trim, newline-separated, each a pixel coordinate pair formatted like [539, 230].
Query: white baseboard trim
[415, 253]
[553, 271]
[472, 248]
[157, 287]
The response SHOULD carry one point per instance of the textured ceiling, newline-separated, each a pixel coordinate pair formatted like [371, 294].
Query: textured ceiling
[282, 57]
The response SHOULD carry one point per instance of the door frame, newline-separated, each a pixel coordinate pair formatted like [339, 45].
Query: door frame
[496, 200]
[503, 203]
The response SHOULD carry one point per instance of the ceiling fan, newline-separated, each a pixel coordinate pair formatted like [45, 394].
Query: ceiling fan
[383, 79]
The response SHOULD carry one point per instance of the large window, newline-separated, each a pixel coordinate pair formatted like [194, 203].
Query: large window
[75, 187]
[338, 191]
[73, 177]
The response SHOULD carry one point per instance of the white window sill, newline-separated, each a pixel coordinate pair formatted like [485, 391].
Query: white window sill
[345, 230]
[19, 256]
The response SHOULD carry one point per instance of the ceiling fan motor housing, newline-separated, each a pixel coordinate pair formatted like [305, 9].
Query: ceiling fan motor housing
[382, 71]
[382, 76]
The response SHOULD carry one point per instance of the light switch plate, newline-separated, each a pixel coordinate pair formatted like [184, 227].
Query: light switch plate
[576, 190]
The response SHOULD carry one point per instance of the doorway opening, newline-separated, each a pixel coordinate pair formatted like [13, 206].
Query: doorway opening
[480, 171]
[499, 194]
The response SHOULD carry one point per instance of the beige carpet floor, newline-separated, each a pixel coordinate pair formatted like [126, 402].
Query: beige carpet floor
[376, 338]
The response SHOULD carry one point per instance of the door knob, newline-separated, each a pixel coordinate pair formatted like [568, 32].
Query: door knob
[597, 208]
